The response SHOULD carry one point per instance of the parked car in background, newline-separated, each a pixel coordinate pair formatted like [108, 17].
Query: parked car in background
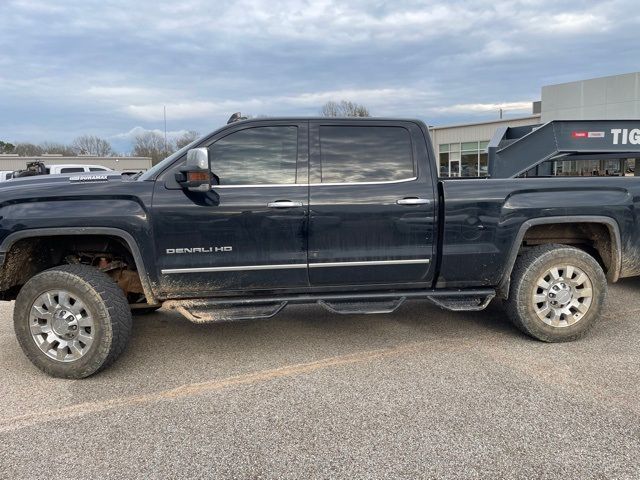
[5, 175]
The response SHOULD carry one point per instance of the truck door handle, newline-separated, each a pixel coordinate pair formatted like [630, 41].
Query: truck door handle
[413, 201]
[284, 204]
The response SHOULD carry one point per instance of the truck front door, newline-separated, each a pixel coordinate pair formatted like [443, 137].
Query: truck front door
[248, 232]
[372, 209]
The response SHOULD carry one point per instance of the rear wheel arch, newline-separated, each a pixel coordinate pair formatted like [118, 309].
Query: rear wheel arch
[128, 241]
[608, 253]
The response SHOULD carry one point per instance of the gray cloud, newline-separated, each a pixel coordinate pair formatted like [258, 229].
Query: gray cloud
[106, 66]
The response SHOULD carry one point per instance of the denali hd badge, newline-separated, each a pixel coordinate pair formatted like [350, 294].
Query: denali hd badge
[172, 251]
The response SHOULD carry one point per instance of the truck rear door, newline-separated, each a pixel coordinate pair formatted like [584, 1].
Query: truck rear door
[372, 209]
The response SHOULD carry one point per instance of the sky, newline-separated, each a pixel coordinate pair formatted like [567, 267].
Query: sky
[108, 67]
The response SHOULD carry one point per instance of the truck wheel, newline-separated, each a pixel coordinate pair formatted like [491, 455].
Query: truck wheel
[72, 321]
[557, 293]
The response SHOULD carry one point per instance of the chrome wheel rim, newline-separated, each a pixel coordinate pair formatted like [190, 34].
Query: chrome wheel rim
[562, 296]
[61, 325]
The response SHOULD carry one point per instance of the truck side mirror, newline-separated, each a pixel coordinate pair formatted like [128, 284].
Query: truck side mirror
[195, 176]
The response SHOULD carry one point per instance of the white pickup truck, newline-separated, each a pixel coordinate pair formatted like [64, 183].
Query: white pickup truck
[71, 168]
[38, 168]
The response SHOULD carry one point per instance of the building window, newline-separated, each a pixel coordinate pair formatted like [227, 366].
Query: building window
[612, 167]
[468, 159]
[444, 160]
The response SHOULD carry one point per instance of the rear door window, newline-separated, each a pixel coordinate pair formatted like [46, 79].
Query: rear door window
[365, 154]
[71, 170]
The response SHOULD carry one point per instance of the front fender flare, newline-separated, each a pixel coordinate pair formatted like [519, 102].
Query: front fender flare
[12, 238]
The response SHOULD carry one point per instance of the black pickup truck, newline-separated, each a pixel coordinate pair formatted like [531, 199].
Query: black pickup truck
[346, 213]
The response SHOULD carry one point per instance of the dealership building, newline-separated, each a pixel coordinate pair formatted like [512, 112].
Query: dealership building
[461, 149]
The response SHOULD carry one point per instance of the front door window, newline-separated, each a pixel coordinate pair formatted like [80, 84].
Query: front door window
[256, 156]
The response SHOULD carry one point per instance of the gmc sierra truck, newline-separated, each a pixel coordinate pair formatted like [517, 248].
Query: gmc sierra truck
[346, 213]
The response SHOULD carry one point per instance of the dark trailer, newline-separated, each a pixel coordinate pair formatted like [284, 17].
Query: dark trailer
[542, 150]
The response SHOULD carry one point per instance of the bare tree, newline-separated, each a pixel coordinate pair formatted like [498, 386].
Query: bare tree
[330, 109]
[344, 108]
[92, 145]
[57, 148]
[151, 144]
[186, 139]
[27, 149]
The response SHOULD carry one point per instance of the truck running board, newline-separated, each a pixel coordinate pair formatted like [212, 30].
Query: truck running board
[461, 304]
[208, 310]
[348, 307]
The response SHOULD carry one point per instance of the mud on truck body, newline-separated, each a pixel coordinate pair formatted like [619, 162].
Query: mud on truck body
[346, 213]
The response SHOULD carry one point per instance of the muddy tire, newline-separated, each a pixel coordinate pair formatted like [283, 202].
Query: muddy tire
[72, 321]
[557, 293]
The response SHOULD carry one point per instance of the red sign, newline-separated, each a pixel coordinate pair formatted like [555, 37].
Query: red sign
[579, 134]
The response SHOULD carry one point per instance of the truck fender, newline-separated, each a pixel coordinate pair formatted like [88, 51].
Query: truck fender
[614, 231]
[12, 238]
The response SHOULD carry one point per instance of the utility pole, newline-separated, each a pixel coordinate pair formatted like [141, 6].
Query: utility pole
[165, 128]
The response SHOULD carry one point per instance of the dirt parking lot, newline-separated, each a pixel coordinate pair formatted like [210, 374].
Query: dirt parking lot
[420, 393]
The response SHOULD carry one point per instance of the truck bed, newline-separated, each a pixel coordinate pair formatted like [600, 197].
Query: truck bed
[483, 216]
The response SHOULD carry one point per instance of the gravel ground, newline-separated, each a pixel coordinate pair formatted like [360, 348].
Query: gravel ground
[420, 393]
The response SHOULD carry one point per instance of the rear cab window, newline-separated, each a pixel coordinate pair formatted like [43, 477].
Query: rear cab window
[365, 154]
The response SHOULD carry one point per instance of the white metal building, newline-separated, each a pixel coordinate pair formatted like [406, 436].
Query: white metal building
[10, 162]
[606, 98]
[462, 148]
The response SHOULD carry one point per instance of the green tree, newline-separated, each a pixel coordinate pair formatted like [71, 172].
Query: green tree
[6, 147]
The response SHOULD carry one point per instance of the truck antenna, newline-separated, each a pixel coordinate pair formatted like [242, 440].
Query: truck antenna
[236, 117]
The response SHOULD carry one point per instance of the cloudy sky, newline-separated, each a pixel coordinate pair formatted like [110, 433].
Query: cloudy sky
[107, 67]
